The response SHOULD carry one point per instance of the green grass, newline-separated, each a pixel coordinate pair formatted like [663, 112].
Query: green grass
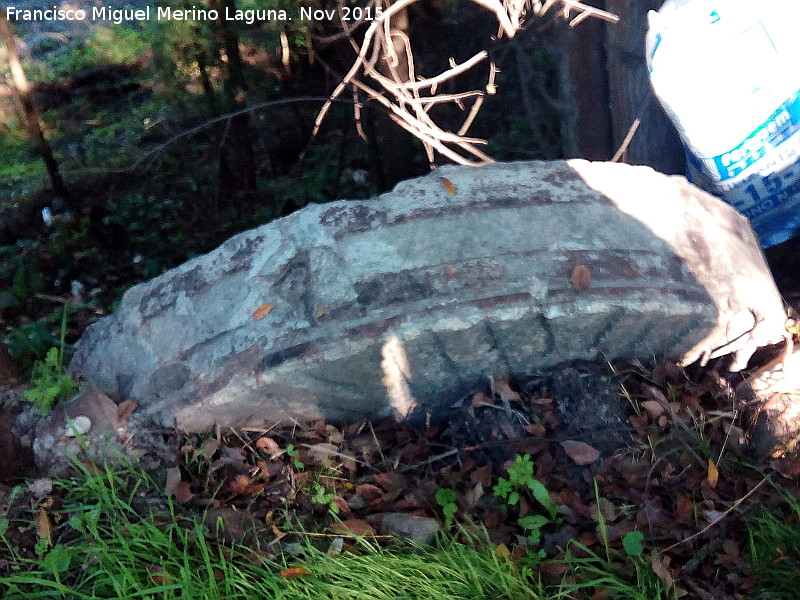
[107, 547]
[113, 543]
[592, 573]
[774, 550]
[449, 570]
[115, 536]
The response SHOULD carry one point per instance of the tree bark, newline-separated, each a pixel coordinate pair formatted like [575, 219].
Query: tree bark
[29, 108]
[656, 143]
[586, 122]
[237, 162]
[9, 373]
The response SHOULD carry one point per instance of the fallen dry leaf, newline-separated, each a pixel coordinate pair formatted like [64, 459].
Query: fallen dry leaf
[320, 311]
[160, 575]
[368, 491]
[183, 492]
[323, 454]
[580, 452]
[472, 495]
[357, 527]
[334, 435]
[554, 569]
[639, 423]
[262, 311]
[653, 408]
[713, 473]
[502, 551]
[482, 475]
[44, 527]
[125, 410]
[240, 484]
[294, 572]
[267, 445]
[277, 532]
[391, 481]
[660, 564]
[536, 430]
[580, 277]
[173, 480]
[504, 390]
[448, 185]
[92, 468]
[788, 467]
[208, 448]
[607, 509]
[481, 399]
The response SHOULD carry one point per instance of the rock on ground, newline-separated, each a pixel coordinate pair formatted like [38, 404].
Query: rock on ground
[357, 309]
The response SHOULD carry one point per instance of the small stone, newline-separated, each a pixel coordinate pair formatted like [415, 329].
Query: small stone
[416, 528]
[77, 426]
[41, 488]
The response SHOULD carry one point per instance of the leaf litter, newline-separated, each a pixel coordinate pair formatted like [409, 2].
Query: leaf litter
[676, 482]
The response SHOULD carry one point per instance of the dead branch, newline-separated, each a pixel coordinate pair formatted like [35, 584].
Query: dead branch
[409, 97]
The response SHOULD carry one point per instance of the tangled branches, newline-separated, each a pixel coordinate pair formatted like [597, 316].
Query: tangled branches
[384, 71]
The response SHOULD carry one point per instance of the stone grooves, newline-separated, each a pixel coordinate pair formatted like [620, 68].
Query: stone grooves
[354, 309]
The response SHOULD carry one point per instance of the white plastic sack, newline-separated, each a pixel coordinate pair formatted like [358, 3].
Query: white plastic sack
[728, 74]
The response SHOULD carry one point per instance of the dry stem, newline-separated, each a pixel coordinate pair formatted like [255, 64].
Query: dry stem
[402, 91]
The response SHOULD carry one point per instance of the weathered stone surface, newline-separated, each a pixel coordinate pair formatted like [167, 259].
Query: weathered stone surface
[418, 294]
[419, 529]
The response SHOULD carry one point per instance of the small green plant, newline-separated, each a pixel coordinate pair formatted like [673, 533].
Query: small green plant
[320, 495]
[30, 342]
[446, 498]
[632, 542]
[50, 383]
[520, 479]
[591, 572]
[292, 453]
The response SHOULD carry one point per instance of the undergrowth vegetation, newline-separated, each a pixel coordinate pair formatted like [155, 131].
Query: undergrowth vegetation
[302, 511]
[774, 549]
[113, 533]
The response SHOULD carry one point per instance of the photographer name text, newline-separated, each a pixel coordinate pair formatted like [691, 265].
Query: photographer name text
[249, 16]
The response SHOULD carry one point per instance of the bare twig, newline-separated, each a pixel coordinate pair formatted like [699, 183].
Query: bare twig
[623, 148]
[429, 460]
[409, 97]
[733, 507]
[205, 125]
[626, 142]
[585, 11]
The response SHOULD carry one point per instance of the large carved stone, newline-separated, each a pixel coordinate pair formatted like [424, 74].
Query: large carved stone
[415, 296]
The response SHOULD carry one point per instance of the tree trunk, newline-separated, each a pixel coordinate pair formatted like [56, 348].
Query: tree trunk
[9, 373]
[656, 143]
[586, 118]
[237, 162]
[28, 107]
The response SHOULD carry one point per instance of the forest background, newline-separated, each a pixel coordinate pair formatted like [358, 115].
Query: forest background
[148, 168]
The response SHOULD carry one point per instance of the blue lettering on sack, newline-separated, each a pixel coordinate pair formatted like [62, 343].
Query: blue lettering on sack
[780, 126]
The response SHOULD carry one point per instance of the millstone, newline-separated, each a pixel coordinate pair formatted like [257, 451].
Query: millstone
[357, 309]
